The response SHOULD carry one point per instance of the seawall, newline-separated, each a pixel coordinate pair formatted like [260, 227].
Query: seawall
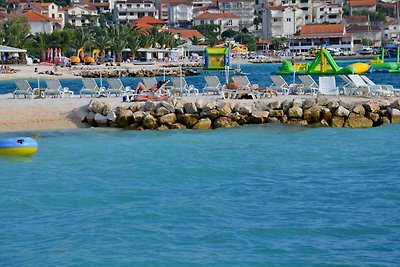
[212, 114]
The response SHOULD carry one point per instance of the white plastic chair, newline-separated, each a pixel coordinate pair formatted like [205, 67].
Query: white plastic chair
[362, 85]
[327, 86]
[23, 88]
[279, 84]
[90, 88]
[213, 85]
[180, 86]
[309, 84]
[54, 88]
[390, 90]
[116, 87]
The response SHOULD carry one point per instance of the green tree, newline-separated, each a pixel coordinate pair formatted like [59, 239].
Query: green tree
[17, 34]
[195, 40]
[228, 34]
[247, 39]
[119, 36]
[39, 42]
[102, 42]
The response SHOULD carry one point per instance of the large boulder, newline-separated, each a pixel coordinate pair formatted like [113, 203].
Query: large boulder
[224, 122]
[150, 106]
[138, 116]
[98, 106]
[297, 122]
[111, 116]
[333, 105]
[394, 115]
[224, 109]
[337, 122]
[203, 124]
[308, 103]
[189, 119]
[190, 107]
[81, 113]
[259, 116]
[275, 104]
[178, 126]
[347, 104]
[168, 119]
[149, 122]
[358, 121]
[359, 109]
[276, 113]
[125, 118]
[162, 127]
[295, 112]
[322, 101]
[326, 114]
[297, 102]
[100, 120]
[372, 106]
[312, 114]
[90, 117]
[161, 111]
[239, 118]
[342, 112]
[170, 107]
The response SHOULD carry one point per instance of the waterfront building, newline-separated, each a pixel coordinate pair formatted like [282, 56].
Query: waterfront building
[224, 20]
[244, 9]
[315, 35]
[126, 11]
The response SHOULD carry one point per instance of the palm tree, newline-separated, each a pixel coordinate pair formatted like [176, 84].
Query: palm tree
[17, 34]
[134, 43]
[83, 37]
[156, 35]
[195, 40]
[39, 41]
[119, 35]
[102, 42]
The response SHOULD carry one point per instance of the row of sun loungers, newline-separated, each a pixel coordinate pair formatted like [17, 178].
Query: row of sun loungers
[353, 85]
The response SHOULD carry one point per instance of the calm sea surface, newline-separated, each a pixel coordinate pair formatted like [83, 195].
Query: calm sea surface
[268, 195]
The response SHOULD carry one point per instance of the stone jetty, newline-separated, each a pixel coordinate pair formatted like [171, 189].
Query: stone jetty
[211, 114]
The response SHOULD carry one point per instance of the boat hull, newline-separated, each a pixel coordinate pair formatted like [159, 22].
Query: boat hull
[18, 146]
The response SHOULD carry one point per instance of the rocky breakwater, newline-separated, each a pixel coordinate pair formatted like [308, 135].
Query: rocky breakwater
[203, 114]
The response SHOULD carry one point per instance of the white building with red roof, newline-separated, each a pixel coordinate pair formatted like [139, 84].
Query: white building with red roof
[391, 31]
[81, 15]
[180, 11]
[314, 35]
[361, 5]
[226, 21]
[244, 9]
[40, 23]
[50, 10]
[282, 21]
[126, 11]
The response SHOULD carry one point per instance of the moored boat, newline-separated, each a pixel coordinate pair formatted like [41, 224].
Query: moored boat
[19, 146]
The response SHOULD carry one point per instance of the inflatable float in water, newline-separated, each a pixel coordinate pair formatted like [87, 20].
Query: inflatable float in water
[19, 146]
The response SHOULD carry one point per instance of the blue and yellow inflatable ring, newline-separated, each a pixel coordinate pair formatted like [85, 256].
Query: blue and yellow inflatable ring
[19, 146]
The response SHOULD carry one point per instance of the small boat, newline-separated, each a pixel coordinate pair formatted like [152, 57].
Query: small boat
[138, 62]
[18, 146]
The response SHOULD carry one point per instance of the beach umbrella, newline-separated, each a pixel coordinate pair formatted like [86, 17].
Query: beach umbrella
[51, 54]
[48, 54]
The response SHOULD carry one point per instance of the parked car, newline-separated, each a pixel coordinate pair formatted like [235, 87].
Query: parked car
[34, 59]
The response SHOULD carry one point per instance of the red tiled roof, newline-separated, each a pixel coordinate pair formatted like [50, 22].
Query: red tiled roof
[35, 5]
[36, 17]
[322, 35]
[322, 29]
[356, 19]
[186, 34]
[392, 22]
[281, 8]
[264, 41]
[357, 28]
[208, 15]
[360, 3]
[149, 20]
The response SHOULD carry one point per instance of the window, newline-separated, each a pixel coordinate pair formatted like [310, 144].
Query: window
[306, 17]
[73, 13]
[275, 20]
[229, 23]
[202, 22]
[288, 19]
[52, 7]
[321, 9]
[211, 21]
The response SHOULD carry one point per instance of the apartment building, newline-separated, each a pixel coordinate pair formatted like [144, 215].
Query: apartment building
[315, 35]
[126, 11]
[101, 5]
[180, 11]
[282, 21]
[360, 33]
[361, 5]
[391, 31]
[50, 10]
[224, 20]
[41, 23]
[244, 9]
[81, 15]
[326, 12]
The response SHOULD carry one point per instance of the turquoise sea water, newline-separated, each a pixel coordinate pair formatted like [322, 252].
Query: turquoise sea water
[268, 195]
[258, 73]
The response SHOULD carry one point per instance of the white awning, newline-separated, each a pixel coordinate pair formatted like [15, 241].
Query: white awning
[9, 49]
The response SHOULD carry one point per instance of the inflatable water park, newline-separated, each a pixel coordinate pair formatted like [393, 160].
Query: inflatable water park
[18, 146]
[323, 64]
[216, 58]
[379, 64]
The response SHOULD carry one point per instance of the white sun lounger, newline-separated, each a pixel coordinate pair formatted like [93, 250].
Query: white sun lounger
[180, 86]
[23, 88]
[54, 88]
[116, 87]
[327, 86]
